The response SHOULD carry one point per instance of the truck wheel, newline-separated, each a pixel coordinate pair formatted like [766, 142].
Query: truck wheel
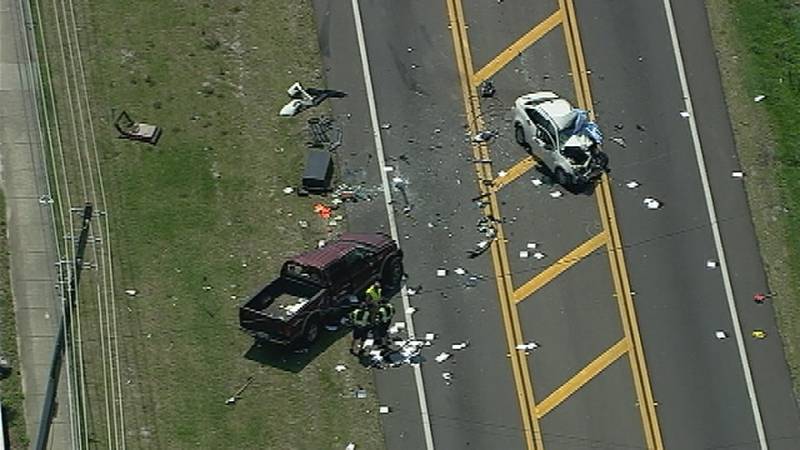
[563, 177]
[392, 274]
[519, 135]
[311, 332]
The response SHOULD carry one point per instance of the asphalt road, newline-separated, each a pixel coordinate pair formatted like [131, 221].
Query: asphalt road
[697, 380]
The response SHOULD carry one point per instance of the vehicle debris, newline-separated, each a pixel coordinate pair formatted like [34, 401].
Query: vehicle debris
[324, 133]
[317, 173]
[528, 346]
[322, 210]
[340, 368]
[761, 298]
[539, 255]
[350, 446]
[236, 396]
[360, 392]
[306, 98]
[136, 131]
[737, 174]
[633, 184]
[484, 136]
[459, 271]
[720, 334]
[487, 89]
[384, 409]
[556, 194]
[479, 249]
[45, 200]
[568, 143]
[536, 182]
[430, 336]
[685, 114]
[619, 141]
[442, 357]
[758, 98]
[651, 203]
[531, 245]
[131, 292]
[448, 376]
[711, 264]
[523, 254]
[759, 334]
[288, 190]
[441, 273]
[460, 345]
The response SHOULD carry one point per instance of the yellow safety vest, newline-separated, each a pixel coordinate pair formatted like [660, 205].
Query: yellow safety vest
[373, 293]
[359, 317]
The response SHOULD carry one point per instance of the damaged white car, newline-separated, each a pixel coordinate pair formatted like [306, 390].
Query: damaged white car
[567, 142]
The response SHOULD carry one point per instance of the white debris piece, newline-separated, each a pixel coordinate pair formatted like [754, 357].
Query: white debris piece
[539, 255]
[386, 126]
[340, 368]
[684, 114]
[633, 184]
[447, 376]
[720, 334]
[523, 254]
[556, 194]
[482, 244]
[383, 409]
[411, 291]
[396, 327]
[459, 271]
[758, 98]
[531, 245]
[388, 169]
[502, 173]
[411, 310]
[442, 357]
[460, 345]
[484, 136]
[737, 174]
[430, 336]
[131, 292]
[528, 346]
[321, 243]
[368, 342]
[350, 446]
[711, 264]
[651, 203]
[536, 182]
[288, 190]
[441, 273]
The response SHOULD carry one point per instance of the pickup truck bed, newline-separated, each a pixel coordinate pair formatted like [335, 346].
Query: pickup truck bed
[283, 301]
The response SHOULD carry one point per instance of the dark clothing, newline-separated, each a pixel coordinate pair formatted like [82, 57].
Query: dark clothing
[360, 333]
[381, 332]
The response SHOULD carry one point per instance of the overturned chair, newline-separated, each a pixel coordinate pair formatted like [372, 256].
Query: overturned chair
[136, 131]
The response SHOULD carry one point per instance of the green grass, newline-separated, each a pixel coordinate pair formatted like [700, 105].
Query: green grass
[213, 75]
[759, 53]
[11, 387]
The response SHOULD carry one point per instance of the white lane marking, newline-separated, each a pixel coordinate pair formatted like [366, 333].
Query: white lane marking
[712, 215]
[387, 196]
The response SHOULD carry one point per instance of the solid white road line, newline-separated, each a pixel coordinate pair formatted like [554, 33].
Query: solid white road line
[387, 196]
[712, 215]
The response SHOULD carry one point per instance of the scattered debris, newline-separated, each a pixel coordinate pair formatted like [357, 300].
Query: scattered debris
[340, 368]
[651, 203]
[324, 134]
[322, 210]
[523, 254]
[556, 194]
[487, 89]
[711, 264]
[321, 243]
[619, 126]
[761, 298]
[306, 98]
[360, 393]
[484, 136]
[302, 223]
[619, 141]
[430, 336]
[758, 98]
[386, 126]
[331, 327]
[720, 334]
[45, 200]
[531, 245]
[539, 255]
[231, 400]
[633, 184]
[131, 292]
[288, 190]
[536, 182]
[737, 174]
[442, 357]
[135, 131]
[460, 345]
[350, 446]
[447, 376]
[502, 173]
[684, 114]
[459, 271]
[759, 334]
[384, 409]
[479, 249]
[641, 127]
[528, 346]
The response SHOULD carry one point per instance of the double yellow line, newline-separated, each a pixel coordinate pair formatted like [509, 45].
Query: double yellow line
[641, 379]
[505, 288]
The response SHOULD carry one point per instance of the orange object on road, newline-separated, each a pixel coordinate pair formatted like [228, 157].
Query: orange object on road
[323, 210]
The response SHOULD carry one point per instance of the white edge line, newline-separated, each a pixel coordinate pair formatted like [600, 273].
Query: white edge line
[387, 196]
[726, 280]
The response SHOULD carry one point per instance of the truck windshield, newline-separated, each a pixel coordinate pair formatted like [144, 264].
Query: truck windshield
[302, 272]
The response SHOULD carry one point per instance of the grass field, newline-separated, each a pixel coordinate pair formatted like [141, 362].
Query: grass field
[759, 54]
[11, 387]
[205, 208]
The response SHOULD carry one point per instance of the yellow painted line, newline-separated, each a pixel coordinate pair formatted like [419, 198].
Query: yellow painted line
[582, 377]
[517, 47]
[564, 263]
[641, 378]
[516, 171]
[519, 367]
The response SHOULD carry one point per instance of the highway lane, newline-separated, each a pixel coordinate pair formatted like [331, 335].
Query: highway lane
[697, 379]
[416, 84]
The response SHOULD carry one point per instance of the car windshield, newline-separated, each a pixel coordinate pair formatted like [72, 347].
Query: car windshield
[301, 272]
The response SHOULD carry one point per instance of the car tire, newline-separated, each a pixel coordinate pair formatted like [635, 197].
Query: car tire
[562, 177]
[311, 331]
[392, 274]
[602, 160]
[519, 135]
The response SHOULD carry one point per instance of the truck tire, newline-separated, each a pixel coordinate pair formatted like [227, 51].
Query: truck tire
[392, 274]
[311, 330]
[519, 135]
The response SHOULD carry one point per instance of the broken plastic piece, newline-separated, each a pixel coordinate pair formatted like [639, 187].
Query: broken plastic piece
[536, 182]
[442, 357]
[711, 264]
[459, 271]
[720, 334]
[460, 345]
[528, 346]
[539, 255]
[484, 136]
[633, 184]
[556, 194]
[759, 334]
[684, 114]
[651, 203]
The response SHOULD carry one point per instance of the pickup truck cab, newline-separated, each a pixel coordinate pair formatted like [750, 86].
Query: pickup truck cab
[318, 286]
[567, 142]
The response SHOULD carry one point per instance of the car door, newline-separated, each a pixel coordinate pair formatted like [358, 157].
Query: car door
[359, 263]
[546, 134]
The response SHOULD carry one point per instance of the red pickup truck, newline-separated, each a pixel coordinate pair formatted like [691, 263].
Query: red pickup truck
[316, 287]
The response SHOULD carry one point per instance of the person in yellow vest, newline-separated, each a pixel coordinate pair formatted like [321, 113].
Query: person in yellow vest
[360, 319]
[374, 293]
[382, 319]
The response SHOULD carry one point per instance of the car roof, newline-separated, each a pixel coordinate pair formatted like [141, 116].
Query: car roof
[323, 257]
[559, 111]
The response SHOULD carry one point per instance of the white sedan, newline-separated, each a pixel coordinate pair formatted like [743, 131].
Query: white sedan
[566, 141]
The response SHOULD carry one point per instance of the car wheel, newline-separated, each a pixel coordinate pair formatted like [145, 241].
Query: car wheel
[602, 160]
[519, 135]
[311, 332]
[562, 177]
[392, 274]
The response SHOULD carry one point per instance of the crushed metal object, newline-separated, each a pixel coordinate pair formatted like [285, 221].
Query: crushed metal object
[487, 89]
[324, 134]
[136, 131]
[306, 98]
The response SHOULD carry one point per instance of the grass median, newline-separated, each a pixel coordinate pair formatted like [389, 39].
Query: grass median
[200, 221]
[758, 44]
